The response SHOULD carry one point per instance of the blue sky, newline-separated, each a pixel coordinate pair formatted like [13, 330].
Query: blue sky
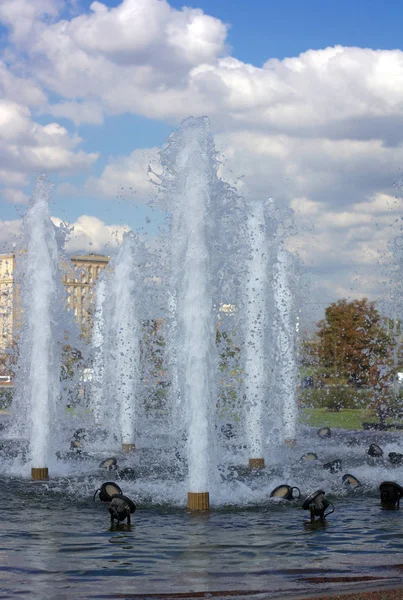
[318, 128]
[263, 29]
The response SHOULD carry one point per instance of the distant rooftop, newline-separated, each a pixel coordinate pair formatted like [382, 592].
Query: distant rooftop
[91, 257]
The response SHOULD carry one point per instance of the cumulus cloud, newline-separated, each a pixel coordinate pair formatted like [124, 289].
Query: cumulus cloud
[19, 89]
[138, 53]
[126, 175]
[321, 132]
[145, 57]
[339, 172]
[22, 16]
[90, 234]
[10, 235]
[14, 196]
[87, 234]
[343, 196]
[28, 147]
[79, 112]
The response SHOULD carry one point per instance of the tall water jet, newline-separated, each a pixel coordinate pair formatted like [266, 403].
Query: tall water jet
[98, 345]
[190, 174]
[286, 326]
[124, 323]
[256, 298]
[39, 363]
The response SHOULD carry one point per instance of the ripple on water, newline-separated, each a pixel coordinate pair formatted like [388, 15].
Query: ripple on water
[67, 547]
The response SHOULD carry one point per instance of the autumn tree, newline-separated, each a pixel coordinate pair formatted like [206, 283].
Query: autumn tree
[350, 340]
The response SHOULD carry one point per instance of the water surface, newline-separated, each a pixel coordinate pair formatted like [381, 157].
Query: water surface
[53, 545]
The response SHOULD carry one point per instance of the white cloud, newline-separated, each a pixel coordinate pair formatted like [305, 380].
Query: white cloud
[22, 15]
[28, 147]
[136, 31]
[19, 89]
[14, 196]
[337, 172]
[90, 234]
[10, 234]
[145, 57]
[126, 176]
[79, 112]
[321, 132]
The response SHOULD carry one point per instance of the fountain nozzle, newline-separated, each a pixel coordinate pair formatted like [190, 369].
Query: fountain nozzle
[256, 463]
[198, 501]
[128, 448]
[39, 474]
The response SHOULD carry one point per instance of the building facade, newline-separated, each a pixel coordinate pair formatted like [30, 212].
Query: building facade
[8, 302]
[79, 280]
[79, 276]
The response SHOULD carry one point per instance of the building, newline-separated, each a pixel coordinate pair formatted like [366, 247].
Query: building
[8, 302]
[79, 278]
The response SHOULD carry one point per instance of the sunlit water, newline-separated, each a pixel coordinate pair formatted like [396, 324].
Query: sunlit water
[57, 542]
[54, 545]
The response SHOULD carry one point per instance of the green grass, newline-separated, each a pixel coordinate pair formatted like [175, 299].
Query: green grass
[348, 418]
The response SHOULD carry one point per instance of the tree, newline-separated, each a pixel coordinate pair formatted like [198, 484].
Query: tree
[351, 340]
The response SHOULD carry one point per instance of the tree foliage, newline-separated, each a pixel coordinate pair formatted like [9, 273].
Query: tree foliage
[352, 343]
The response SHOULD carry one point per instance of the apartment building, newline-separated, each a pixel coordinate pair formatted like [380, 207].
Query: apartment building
[79, 279]
[8, 301]
[79, 276]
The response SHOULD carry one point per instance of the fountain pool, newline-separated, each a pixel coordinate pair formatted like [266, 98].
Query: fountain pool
[56, 542]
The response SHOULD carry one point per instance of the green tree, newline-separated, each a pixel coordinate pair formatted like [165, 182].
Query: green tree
[350, 340]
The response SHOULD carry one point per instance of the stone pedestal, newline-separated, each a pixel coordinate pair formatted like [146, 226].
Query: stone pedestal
[198, 501]
[127, 448]
[40, 474]
[256, 463]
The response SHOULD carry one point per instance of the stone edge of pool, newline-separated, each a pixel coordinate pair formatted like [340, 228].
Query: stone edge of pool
[395, 593]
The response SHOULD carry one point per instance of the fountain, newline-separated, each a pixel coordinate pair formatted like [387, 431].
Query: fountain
[98, 345]
[256, 325]
[123, 324]
[36, 410]
[192, 179]
[286, 329]
[203, 406]
[216, 258]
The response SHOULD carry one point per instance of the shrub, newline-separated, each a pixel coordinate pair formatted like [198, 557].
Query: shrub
[335, 398]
